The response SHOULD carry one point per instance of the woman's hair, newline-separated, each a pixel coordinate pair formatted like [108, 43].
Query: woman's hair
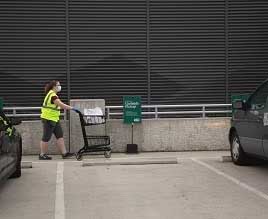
[50, 85]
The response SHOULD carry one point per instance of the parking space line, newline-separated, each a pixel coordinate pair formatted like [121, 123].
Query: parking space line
[234, 180]
[59, 200]
[53, 161]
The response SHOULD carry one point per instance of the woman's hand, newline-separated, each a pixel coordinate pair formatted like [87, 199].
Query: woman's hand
[76, 110]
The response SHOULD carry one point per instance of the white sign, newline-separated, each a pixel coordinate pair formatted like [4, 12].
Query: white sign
[94, 116]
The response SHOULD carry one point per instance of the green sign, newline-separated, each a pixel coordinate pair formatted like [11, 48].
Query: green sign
[132, 109]
[1, 104]
[243, 97]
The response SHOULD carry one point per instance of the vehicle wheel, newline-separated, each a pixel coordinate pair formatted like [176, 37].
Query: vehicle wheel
[107, 154]
[17, 173]
[238, 155]
[79, 157]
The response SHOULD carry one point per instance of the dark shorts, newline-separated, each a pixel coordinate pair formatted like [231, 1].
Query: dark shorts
[49, 128]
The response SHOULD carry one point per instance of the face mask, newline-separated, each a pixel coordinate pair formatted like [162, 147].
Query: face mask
[58, 87]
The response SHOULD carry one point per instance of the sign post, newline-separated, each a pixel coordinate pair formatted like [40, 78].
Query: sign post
[132, 115]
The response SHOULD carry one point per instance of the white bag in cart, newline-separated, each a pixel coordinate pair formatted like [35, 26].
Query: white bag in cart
[93, 116]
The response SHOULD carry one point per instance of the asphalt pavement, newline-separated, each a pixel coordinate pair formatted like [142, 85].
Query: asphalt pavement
[199, 186]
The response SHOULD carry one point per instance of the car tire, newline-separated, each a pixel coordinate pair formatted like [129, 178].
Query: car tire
[238, 155]
[17, 172]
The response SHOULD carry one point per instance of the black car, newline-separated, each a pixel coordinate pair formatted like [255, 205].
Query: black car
[10, 148]
[249, 127]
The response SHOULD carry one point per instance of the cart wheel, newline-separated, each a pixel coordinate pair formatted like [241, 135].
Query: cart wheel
[107, 154]
[79, 157]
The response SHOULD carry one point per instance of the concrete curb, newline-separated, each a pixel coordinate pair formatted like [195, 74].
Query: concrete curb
[225, 159]
[131, 161]
[26, 164]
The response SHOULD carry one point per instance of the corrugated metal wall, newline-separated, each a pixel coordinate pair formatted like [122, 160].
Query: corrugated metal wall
[167, 51]
[248, 44]
[108, 49]
[187, 51]
[32, 49]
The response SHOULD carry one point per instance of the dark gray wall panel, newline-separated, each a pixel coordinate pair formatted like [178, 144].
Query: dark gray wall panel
[187, 51]
[109, 53]
[32, 49]
[248, 44]
[108, 49]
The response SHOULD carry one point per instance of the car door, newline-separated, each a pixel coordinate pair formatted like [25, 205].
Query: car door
[3, 157]
[13, 147]
[7, 142]
[265, 129]
[253, 129]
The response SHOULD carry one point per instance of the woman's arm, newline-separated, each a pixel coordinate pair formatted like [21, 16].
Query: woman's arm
[62, 105]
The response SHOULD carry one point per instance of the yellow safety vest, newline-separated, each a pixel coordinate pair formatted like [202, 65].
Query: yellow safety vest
[50, 111]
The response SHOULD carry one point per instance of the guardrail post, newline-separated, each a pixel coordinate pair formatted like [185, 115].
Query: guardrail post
[156, 112]
[14, 112]
[203, 111]
[65, 115]
[108, 113]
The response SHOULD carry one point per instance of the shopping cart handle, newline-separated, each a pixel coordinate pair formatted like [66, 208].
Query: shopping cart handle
[77, 111]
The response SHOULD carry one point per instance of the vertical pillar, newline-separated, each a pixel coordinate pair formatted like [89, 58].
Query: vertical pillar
[67, 32]
[226, 31]
[148, 55]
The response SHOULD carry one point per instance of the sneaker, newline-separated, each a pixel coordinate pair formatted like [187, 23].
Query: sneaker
[67, 155]
[44, 157]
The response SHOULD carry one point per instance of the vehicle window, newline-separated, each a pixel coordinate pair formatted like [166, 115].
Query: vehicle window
[259, 99]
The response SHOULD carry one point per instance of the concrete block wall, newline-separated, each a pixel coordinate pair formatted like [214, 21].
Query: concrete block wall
[32, 132]
[172, 134]
[185, 134]
[150, 135]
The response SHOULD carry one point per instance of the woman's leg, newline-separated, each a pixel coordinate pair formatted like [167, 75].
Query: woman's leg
[47, 133]
[58, 132]
[43, 147]
[62, 148]
[61, 145]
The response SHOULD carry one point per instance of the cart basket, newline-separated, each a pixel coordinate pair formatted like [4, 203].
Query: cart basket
[98, 140]
[88, 120]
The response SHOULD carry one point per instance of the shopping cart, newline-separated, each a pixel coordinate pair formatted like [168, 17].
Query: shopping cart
[93, 143]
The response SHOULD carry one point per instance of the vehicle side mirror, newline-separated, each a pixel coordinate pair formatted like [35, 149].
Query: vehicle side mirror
[238, 105]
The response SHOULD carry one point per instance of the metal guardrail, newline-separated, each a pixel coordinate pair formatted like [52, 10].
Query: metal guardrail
[202, 110]
[15, 112]
[154, 110]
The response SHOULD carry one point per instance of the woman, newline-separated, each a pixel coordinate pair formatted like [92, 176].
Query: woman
[51, 120]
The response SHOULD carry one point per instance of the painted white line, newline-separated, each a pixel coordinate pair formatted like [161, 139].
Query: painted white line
[234, 180]
[130, 161]
[53, 162]
[59, 202]
[226, 159]
[126, 158]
